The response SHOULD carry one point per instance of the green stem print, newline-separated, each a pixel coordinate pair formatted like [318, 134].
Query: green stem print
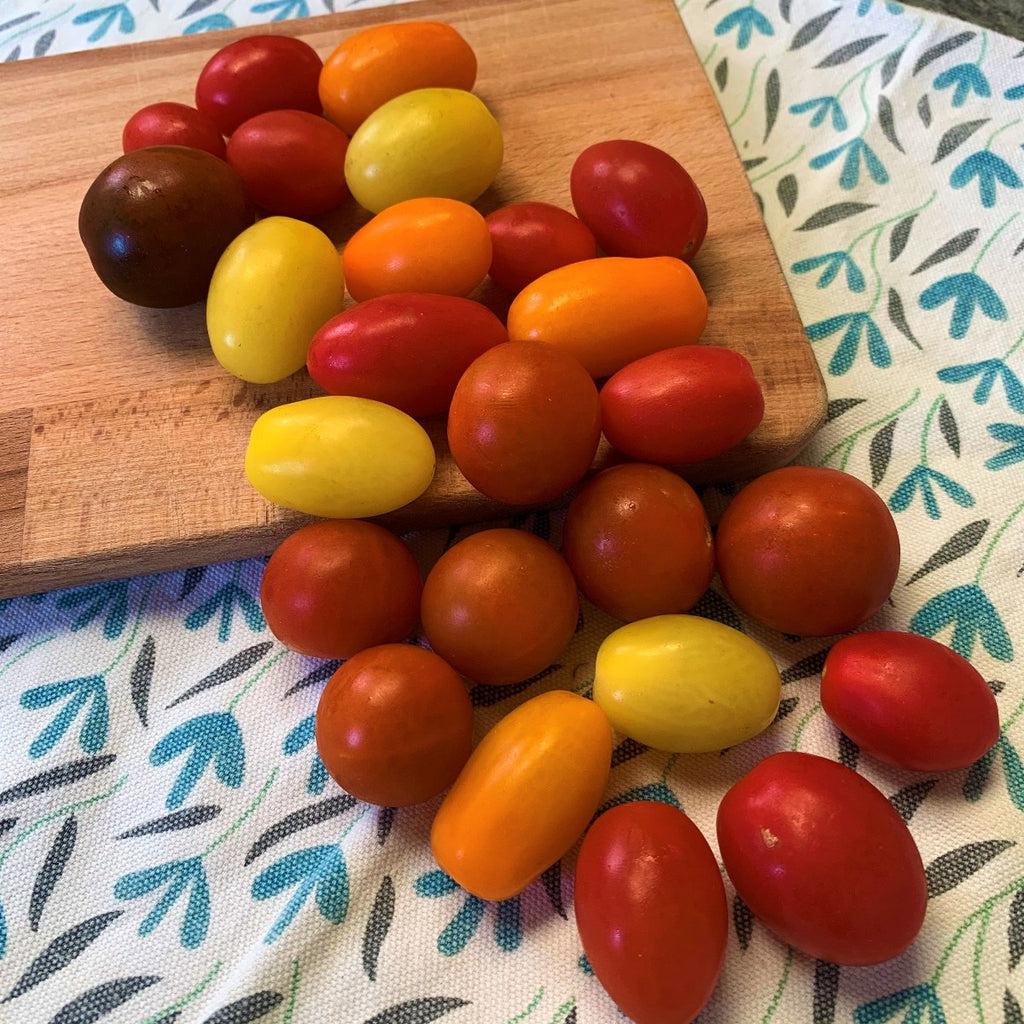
[750, 92]
[778, 167]
[802, 724]
[175, 1008]
[293, 995]
[780, 988]
[996, 537]
[849, 443]
[988, 244]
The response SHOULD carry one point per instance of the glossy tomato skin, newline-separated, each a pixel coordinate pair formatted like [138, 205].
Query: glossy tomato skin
[335, 587]
[651, 911]
[823, 859]
[171, 124]
[909, 700]
[808, 550]
[394, 725]
[638, 200]
[407, 349]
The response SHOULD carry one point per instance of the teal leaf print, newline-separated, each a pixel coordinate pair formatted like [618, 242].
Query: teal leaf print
[823, 106]
[856, 150]
[299, 737]
[920, 480]
[918, 1005]
[282, 10]
[855, 325]
[179, 877]
[214, 737]
[1014, 769]
[967, 291]
[988, 371]
[746, 21]
[1011, 434]
[988, 168]
[832, 263]
[209, 23]
[1015, 92]
[224, 601]
[963, 79]
[96, 599]
[973, 617]
[105, 17]
[77, 693]
[864, 6]
[455, 935]
[419, 1011]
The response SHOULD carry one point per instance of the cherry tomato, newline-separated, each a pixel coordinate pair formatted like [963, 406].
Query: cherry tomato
[524, 422]
[682, 404]
[525, 795]
[651, 911]
[637, 539]
[256, 74]
[909, 700]
[529, 239]
[171, 124]
[500, 606]
[381, 62]
[419, 245]
[407, 349]
[292, 161]
[808, 550]
[394, 725]
[823, 859]
[638, 200]
[332, 588]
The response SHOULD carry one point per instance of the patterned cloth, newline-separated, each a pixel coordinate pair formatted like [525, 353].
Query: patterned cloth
[171, 848]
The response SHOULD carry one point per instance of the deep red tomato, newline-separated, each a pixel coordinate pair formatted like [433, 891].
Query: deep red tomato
[256, 74]
[651, 911]
[909, 700]
[823, 859]
[638, 200]
[808, 550]
[171, 124]
[394, 725]
[334, 587]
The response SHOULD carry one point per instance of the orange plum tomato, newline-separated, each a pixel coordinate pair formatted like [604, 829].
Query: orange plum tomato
[407, 349]
[651, 911]
[524, 422]
[909, 700]
[823, 859]
[680, 405]
[394, 725]
[171, 124]
[638, 200]
[637, 539]
[337, 586]
[500, 605]
[808, 550]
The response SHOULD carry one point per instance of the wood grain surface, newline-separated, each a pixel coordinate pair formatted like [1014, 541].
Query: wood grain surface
[122, 440]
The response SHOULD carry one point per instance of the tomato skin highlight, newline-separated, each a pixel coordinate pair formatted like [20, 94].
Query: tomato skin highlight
[651, 911]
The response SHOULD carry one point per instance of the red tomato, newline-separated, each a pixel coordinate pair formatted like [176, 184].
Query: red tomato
[256, 74]
[408, 350]
[171, 124]
[292, 162]
[651, 911]
[823, 859]
[394, 725]
[909, 700]
[334, 587]
[808, 550]
[637, 539]
[529, 239]
[682, 404]
[524, 422]
[638, 200]
[500, 606]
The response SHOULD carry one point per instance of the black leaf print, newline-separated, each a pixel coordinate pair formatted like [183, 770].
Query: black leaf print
[830, 214]
[826, 989]
[909, 798]
[713, 606]
[977, 776]
[193, 577]
[772, 94]
[187, 817]
[892, 62]
[571, 1017]
[786, 707]
[956, 136]
[1012, 1013]
[485, 696]
[62, 775]
[11, 638]
[787, 190]
[837, 406]
[880, 451]
[248, 1008]
[231, 669]
[6, 824]
[1020, 248]
[849, 752]
[320, 674]
[43, 43]
[813, 28]
[381, 914]
[195, 7]
[784, 9]
[899, 237]
[99, 1001]
[552, 882]
[965, 540]
[760, 202]
[898, 316]
[142, 679]
[948, 428]
[722, 73]
[53, 867]
[849, 51]
[749, 165]
[948, 870]
[949, 249]
[17, 21]
[1015, 929]
[924, 111]
[385, 822]
[886, 120]
[941, 49]
[805, 667]
[742, 921]
[417, 1011]
[626, 750]
[62, 950]
[305, 817]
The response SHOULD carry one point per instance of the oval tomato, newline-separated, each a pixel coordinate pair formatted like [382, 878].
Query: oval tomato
[171, 124]
[651, 911]
[823, 859]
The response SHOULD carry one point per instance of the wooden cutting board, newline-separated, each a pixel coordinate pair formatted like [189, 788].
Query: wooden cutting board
[122, 440]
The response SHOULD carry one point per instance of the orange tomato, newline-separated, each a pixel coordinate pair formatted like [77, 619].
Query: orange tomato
[612, 310]
[430, 244]
[525, 795]
[381, 62]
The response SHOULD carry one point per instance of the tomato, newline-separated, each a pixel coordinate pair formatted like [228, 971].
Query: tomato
[334, 587]
[686, 684]
[381, 62]
[292, 161]
[524, 422]
[171, 124]
[427, 142]
[529, 239]
[682, 404]
[339, 457]
[418, 245]
[500, 606]
[256, 74]
[637, 539]
[823, 859]
[651, 911]
[638, 200]
[525, 795]
[808, 550]
[407, 349]
[612, 310]
[909, 700]
[394, 725]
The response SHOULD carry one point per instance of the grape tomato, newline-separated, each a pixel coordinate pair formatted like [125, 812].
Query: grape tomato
[171, 124]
